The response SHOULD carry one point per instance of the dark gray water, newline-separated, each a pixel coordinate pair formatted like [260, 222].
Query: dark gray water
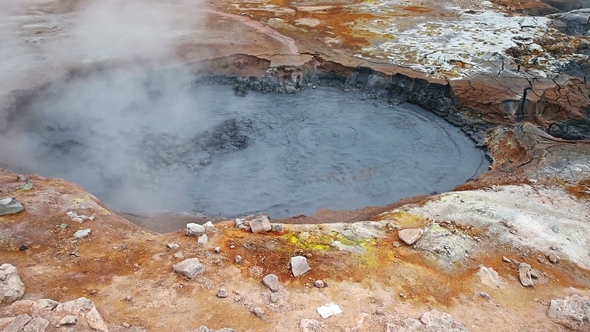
[146, 147]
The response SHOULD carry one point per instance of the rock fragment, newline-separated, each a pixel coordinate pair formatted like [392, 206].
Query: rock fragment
[260, 224]
[11, 287]
[195, 229]
[10, 205]
[274, 297]
[95, 321]
[272, 282]
[173, 246]
[524, 274]
[26, 186]
[489, 276]
[69, 320]
[441, 321]
[553, 258]
[222, 293]
[299, 265]
[209, 227]
[259, 312]
[37, 324]
[82, 233]
[239, 259]
[189, 268]
[279, 228]
[572, 312]
[217, 250]
[206, 329]
[410, 236]
[329, 309]
[18, 324]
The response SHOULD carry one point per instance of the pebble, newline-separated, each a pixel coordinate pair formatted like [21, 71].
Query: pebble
[189, 268]
[279, 228]
[217, 250]
[259, 312]
[178, 254]
[484, 295]
[68, 320]
[319, 284]
[28, 185]
[222, 293]
[239, 259]
[173, 246]
[274, 297]
[63, 226]
[506, 259]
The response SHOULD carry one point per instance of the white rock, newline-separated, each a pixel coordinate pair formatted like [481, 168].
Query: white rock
[260, 224]
[173, 246]
[489, 276]
[195, 229]
[69, 320]
[37, 324]
[95, 321]
[82, 233]
[189, 268]
[209, 227]
[572, 312]
[328, 310]
[203, 240]
[410, 236]
[11, 287]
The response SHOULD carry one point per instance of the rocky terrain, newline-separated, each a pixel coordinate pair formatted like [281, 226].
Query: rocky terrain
[508, 251]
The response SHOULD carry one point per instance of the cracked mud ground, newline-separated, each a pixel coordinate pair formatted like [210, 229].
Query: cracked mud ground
[516, 83]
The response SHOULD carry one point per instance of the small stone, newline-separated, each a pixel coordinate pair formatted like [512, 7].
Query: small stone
[524, 274]
[410, 236]
[484, 295]
[126, 325]
[202, 240]
[189, 268]
[95, 321]
[240, 222]
[259, 225]
[279, 228]
[299, 265]
[10, 205]
[18, 323]
[535, 274]
[319, 284]
[239, 259]
[441, 321]
[23, 248]
[78, 220]
[217, 250]
[553, 258]
[222, 293]
[195, 229]
[259, 312]
[553, 247]
[274, 297]
[506, 259]
[272, 282]
[173, 246]
[37, 324]
[69, 320]
[82, 233]
[178, 254]
[63, 226]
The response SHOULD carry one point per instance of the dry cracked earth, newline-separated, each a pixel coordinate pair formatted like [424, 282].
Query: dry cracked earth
[508, 251]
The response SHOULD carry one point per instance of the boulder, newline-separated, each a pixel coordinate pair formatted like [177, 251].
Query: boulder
[195, 229]
[189, 268]
[299, 265]
[11, 287]
[10, 205]
[260, 224]
[272, 282]
[572, 312]
[410, 236]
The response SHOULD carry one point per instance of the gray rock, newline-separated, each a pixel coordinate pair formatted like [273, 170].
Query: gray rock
[195, 229]
[489, 276]
[572, 312]
[553, 258]
[10, 205]
[410, 236]
[75, 307]
[279, 228]
[524, 274]
[37, 324]
[260, 224]
[299, 265]
[11, 287]
[319, 284]
[441, 322]
[82, 233]
[239, 259]
[272, 282]
[63, 226]
[18, 323]
[173, 246]
[189, 268]
[28, 185]
[69, 320]
[43, 305]
[203, 240]
[222, 293]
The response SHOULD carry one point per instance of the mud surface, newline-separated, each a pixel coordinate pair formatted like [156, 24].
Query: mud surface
[154, 143]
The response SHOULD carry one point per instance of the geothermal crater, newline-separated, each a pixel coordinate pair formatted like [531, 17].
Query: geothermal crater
[159, 141]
